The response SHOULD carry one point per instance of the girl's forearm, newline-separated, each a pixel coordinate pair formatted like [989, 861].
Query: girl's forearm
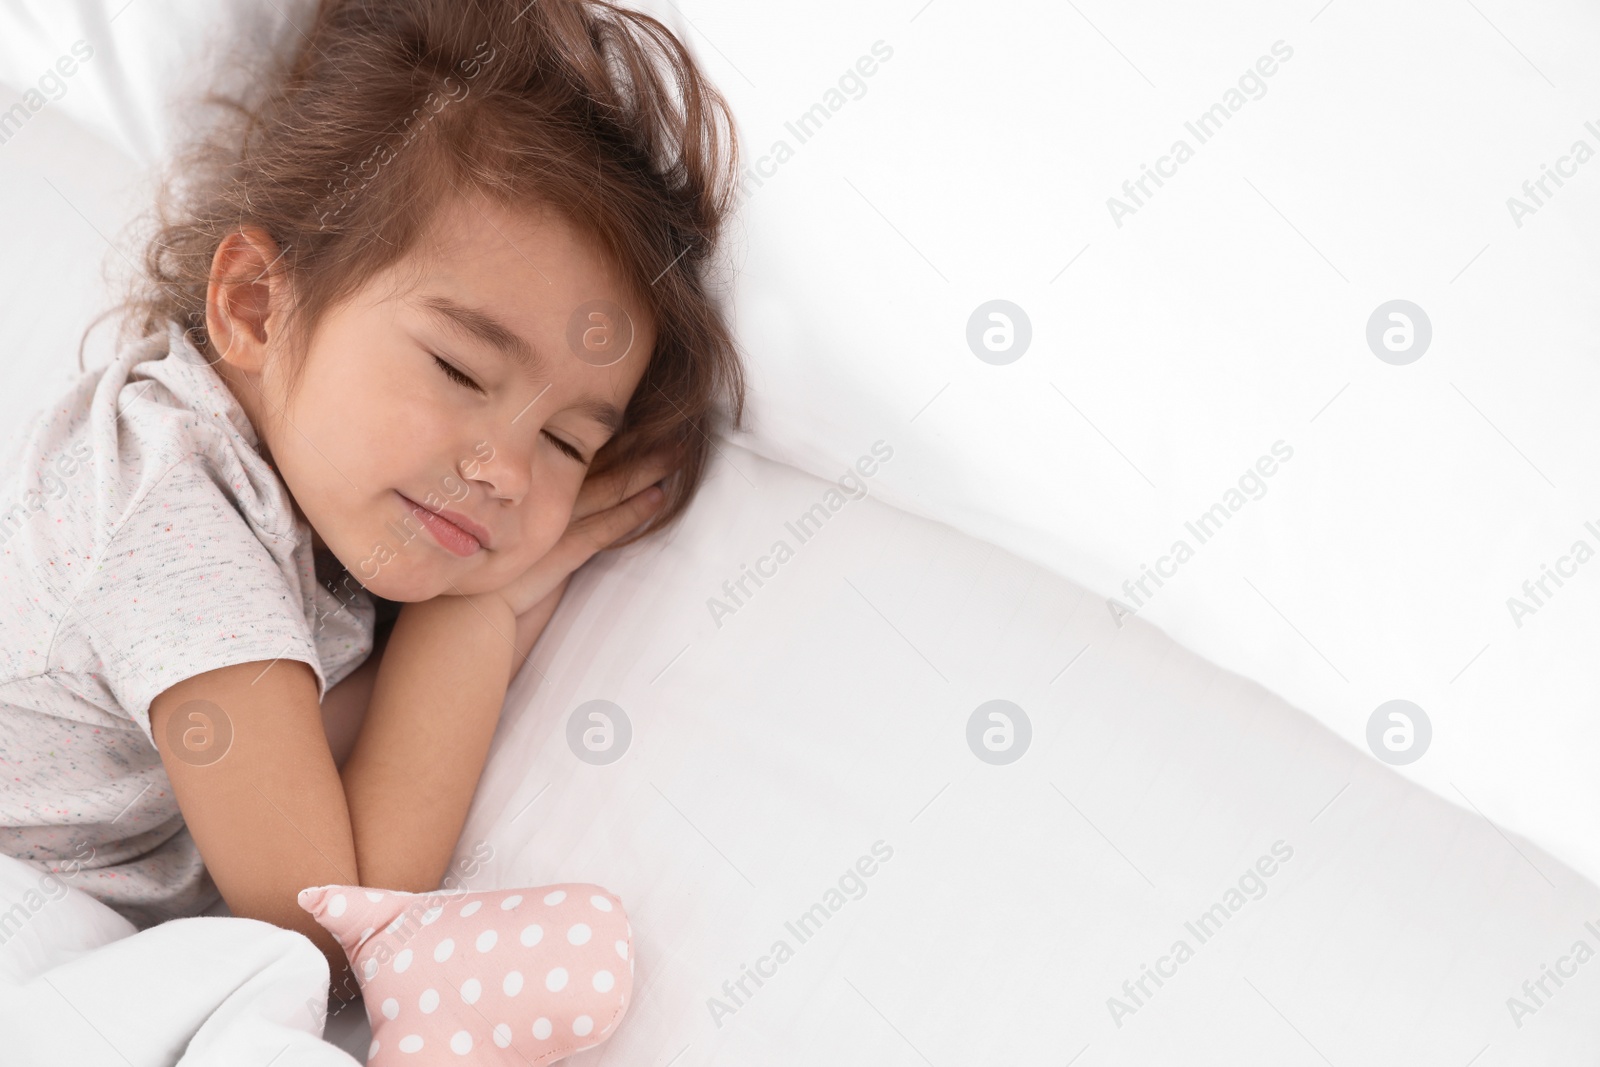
[345, 705]
[423, 743]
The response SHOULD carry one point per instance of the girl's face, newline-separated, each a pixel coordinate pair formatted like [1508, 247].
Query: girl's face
[477, 377]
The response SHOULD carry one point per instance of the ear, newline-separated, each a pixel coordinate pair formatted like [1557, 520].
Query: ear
[244, 298]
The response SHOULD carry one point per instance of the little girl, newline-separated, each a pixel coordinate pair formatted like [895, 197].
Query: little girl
[428, 318]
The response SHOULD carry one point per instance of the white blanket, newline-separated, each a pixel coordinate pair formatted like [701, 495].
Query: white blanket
[78, 985]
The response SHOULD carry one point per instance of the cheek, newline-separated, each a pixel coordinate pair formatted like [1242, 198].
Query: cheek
[546, 520]
[408, 432]
[553, 519]
[370, 418]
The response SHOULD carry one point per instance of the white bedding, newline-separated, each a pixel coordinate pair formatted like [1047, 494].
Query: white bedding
[965, 153]
[79, 986]
[996, 909]
[830, 712]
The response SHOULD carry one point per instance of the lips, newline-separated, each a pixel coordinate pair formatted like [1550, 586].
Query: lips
[454, 531]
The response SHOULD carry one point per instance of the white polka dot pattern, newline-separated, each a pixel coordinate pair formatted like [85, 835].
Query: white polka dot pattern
[457, 975]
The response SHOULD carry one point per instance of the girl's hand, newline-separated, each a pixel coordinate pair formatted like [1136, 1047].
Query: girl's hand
[606, 509]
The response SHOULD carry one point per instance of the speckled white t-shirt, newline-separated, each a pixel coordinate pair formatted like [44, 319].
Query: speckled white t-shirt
[144, 539]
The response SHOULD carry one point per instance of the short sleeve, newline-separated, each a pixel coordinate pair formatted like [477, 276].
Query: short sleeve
[184, 586]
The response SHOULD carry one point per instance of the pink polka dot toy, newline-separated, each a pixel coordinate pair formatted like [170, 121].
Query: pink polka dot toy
[508, 976]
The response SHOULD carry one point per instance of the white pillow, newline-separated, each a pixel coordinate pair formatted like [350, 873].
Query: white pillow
[1176, 341]
[119, 67]
[833, 847]
[1179, 337]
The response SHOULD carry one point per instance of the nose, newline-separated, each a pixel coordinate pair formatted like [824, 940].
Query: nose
[501, 468]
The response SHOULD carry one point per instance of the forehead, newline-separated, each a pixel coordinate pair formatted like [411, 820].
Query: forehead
[535, 251]
[530, 282]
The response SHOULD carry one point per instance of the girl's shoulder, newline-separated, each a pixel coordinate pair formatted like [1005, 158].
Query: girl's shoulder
[153, 443]
[149, 540]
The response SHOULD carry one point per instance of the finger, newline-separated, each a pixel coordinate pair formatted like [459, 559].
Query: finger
[611, 524]
[586, 536]
[636, 477]
[580, 541]
[617, 486]
[629, 514]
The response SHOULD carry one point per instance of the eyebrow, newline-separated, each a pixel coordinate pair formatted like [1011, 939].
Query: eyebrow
[486, 329]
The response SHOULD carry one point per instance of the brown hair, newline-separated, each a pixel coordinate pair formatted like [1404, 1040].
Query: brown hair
[561, 103]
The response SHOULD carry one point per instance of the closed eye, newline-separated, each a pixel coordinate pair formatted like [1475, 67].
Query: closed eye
[461, 379]
[455, 375]
[568, 449]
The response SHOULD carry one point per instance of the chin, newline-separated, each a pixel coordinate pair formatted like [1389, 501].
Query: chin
[405, 584]
[412, 584]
